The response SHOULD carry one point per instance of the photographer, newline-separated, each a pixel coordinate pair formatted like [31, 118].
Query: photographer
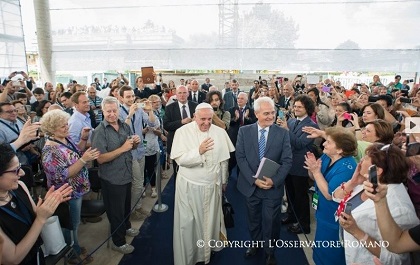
[396, 84]
[297, 83]
[11, 87]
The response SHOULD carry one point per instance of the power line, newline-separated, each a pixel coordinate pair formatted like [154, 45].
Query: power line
[239, 4]
[233, 48]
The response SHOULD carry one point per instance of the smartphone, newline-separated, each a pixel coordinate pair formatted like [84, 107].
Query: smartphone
[373, 177]
[280, 114]
[405, 100]
[16, 83]
[413, 149]
[347, 116]
[372, 98]
[141, 105]
[407, 139]
[326, 89]
[299, 76]
[348, 208]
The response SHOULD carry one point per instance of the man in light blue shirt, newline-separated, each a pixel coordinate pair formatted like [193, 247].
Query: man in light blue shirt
[137, 119]
[80, 118]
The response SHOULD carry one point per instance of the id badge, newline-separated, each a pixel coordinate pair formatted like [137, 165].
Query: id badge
[315, 201]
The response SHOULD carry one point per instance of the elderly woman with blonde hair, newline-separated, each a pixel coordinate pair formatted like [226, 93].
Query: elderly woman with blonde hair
[64, 162]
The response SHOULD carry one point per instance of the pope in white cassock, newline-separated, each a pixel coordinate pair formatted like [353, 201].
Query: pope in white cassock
[202, 153]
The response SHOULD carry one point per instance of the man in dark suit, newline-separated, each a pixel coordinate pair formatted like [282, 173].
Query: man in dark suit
[286, 99]
[240, 116]
[263, 196]
[205, 86]
[176, 115]
[229, 97]
[105, 84]
[297, 181]
[195, 95]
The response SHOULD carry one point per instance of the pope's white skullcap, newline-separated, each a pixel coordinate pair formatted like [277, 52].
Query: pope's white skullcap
[204, 106]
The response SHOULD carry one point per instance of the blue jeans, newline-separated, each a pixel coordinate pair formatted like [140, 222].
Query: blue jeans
[75, 211]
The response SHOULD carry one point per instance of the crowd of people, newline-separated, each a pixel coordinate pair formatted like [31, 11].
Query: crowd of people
[320, 134]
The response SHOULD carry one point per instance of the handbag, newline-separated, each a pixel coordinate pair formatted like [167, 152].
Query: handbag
[227, 212]
[52, 236]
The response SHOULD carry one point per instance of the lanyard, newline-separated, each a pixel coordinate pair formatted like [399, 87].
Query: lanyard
[26, 218]
[132, 119]
[71, 147]
[157, 113]
[17, 131]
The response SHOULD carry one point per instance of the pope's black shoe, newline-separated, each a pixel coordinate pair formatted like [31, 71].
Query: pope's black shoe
[270, 259]
[295, 228]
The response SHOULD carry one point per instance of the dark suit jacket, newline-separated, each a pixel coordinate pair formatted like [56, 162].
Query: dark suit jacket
[282, 104]
[234, 125]
[206, 87]
[147, 91]
[277, 149]
[201, 96]
[300, 144]
[172, 120]
[230, 100]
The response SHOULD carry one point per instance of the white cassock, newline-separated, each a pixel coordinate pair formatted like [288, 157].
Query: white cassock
[198, 207]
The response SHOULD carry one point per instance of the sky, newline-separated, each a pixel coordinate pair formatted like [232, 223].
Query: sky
[322, 24]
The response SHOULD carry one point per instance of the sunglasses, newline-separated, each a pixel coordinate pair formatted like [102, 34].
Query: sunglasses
[386, 149]
[16, 171]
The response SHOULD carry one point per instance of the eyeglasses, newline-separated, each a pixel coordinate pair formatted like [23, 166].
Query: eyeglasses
[16, 171]
[10, 111]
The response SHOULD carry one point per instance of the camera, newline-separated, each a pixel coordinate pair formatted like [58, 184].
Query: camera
[358, 84]
[410, 80]
[347, 116]
[372, 98]
[141, 105]
[405, 100]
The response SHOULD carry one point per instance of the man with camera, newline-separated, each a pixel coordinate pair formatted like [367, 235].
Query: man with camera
[10, 87]
[137, 117]
[397, 84]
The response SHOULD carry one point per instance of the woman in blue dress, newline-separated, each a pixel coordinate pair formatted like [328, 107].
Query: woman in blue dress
[333, 168]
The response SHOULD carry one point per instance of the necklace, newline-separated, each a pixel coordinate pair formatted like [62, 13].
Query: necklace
[8, 198]
[4, 198]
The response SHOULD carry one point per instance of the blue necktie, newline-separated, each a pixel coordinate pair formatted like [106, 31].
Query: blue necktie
[261, 144]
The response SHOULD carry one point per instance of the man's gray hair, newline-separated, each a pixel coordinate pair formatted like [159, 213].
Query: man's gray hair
[259, 101]
[109, 100]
